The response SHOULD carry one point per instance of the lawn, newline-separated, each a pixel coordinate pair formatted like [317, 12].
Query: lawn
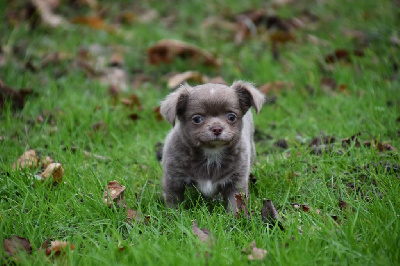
[327, 139]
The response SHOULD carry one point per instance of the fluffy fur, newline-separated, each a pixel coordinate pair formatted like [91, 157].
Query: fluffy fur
[211, 143]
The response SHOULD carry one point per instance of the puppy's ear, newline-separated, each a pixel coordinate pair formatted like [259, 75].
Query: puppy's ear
[248, 96]
[175, 104]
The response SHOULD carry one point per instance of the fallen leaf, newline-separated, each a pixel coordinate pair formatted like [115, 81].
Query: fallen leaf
[45, 116]
[281, 143]
[269, 213]
[136, 216]
[241, 203]
[256, 253]
[249, 23]
[99, 126]
[338, 55]
[94, 22]
[55, 170]
[275, 87]
[188, 76]
[343, 205]
[328, 84]
[45, 10]
[116, 194]
[132, 101]
[114, 91]
[133, 116]
[321, 143]
[139, 79]
[202, 234]
[45, 161]
[165, 51]
[27, 160]
[16, 97]
[305, 208]
[16, 244]
[379, 145]
[56, 248]
[116, 60]
[321, 140]
[347, 141]
[157, 114]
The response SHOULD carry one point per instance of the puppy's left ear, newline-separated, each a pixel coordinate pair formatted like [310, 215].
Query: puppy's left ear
[175, 104]
[248, 96]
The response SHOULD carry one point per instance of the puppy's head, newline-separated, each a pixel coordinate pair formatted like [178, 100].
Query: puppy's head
[210, 115]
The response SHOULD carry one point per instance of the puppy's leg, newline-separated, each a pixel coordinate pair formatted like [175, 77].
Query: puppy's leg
[173, 191]
[229, 193]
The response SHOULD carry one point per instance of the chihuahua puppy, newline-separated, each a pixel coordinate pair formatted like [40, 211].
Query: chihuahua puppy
[211, 143]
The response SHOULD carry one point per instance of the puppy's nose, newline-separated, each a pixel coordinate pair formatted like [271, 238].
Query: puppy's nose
[217, 130]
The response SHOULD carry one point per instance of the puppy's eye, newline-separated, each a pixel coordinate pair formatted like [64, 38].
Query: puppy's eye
[231, 117]
[197, 119]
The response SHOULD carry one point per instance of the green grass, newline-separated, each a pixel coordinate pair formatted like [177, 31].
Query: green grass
[74, 211]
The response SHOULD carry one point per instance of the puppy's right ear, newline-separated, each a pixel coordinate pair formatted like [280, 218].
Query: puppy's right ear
[175, 104]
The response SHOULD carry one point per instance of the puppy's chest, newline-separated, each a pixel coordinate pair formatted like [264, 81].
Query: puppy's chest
[211, 172]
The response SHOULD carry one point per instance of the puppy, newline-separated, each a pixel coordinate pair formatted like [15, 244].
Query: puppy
[211, 143]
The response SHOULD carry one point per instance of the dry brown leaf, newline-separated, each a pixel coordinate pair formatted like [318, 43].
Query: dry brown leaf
[269, 213]
[117, 60]
[275, 87]
[116, 194]
[347, 141]
[46, 161]
[338, 55]
[202, 234]
[132, 101]
[45, 10]
[94, 22]
[16, 244]
[138, 217]
[328, 84]
[165, 51]
[250, 23]
[157, 114]
[27, 160]
[188, 76]
[99, 126]
[133, 116]
[379, 145]
[256, 253]
[16, 97]
[56, 248]
[55, 170]
[139, 79]
[241, 203]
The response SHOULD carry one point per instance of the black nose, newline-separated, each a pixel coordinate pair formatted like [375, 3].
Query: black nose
[217, 130]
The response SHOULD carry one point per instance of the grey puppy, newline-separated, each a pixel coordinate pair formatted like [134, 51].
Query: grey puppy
[211, 144]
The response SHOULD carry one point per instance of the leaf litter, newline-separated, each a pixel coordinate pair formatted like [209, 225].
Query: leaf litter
[255, 253]
[114, 194]
[16, 244]
[166, 50]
